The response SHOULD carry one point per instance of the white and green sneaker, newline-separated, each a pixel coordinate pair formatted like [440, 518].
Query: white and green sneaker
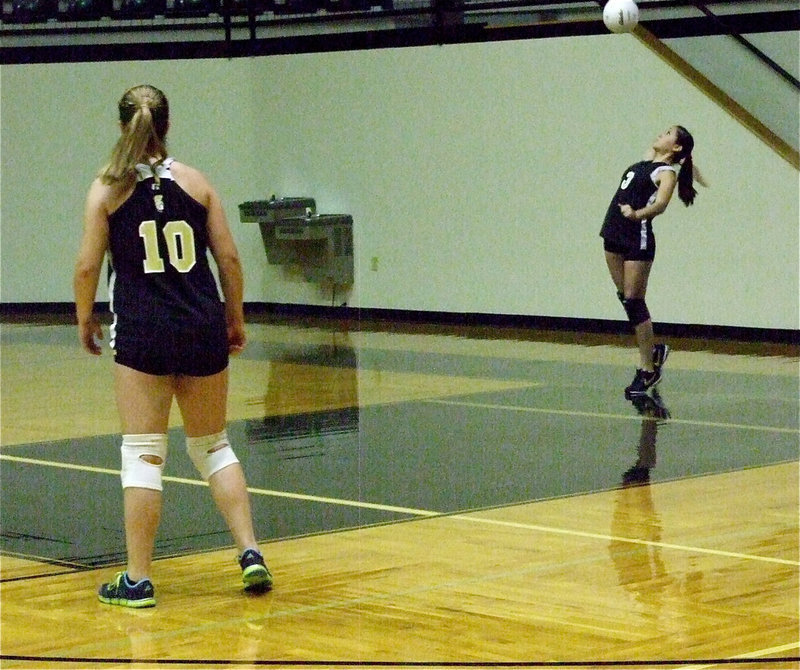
[255, 574]
[121, 592]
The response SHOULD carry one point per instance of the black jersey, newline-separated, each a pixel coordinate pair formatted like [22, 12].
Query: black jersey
[160, 280]
[637, 188]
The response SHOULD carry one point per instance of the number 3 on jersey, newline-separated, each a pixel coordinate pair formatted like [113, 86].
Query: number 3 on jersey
[179, 237]
[627, 180]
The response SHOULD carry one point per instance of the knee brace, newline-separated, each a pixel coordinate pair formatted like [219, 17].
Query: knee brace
[139, 471]
[210, 453]
[636, 309]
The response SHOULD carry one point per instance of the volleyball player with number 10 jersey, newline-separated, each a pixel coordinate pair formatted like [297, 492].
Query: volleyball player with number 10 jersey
[171, 334]
[168, 317]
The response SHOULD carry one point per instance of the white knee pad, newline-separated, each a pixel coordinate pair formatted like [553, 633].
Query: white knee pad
[210, 453]
[136, 471]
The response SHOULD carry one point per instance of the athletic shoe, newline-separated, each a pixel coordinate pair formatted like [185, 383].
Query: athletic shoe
[660, 353]
[636, 475]
[255, 574]
[642, 382]
[121, 592]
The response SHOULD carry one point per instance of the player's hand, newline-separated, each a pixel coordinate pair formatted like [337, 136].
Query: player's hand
[237, 340]
[88, 334]
[628, 212]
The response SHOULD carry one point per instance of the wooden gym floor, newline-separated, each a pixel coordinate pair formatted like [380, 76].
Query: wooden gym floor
[425, 499]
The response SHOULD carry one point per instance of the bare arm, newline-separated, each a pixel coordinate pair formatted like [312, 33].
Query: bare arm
[94, 245]
[667, 180]
[231, 277]
[698, 176]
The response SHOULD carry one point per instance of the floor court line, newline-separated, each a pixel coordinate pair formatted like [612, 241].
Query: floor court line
[604, 415]
[430, 514]
[754, 655]
[628, 540]
[253, 490]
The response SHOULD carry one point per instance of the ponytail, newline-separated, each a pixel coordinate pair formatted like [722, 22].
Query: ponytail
[686, 189]
[144, 117]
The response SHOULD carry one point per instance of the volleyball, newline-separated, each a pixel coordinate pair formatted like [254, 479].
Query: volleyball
[620, 16]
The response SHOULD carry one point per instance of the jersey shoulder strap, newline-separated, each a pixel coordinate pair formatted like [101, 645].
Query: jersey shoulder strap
[162, 171]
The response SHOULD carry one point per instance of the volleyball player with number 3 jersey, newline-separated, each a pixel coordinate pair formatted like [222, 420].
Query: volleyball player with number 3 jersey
[644, 192]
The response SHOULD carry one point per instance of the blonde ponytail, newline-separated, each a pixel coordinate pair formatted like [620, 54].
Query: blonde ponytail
[144, 118]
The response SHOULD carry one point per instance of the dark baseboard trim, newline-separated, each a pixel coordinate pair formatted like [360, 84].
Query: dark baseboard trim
[61, 312]
[521, 322]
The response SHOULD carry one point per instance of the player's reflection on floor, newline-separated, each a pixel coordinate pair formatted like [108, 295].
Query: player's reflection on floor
[654, 412]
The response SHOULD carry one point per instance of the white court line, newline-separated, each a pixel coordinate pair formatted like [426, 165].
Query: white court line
[349, 503]
[628, 540]
[263, 492]
[428, 513]
[603, 415]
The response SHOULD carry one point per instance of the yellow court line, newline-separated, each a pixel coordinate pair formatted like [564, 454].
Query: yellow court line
[428, 513]
[603, 415]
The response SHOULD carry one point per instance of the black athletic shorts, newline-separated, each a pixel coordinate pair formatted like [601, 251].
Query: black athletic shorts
[198, 353]
[631, 253]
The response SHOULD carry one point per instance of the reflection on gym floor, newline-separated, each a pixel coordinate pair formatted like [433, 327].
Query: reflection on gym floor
[415, 488]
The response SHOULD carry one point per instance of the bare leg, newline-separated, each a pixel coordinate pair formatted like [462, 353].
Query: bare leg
[142, 516]
[143, 402]
[229, 490]
[202, 401]
[645, 341]
[636, 275]
[616, 268]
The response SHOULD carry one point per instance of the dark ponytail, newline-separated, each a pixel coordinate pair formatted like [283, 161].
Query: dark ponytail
[686, 189]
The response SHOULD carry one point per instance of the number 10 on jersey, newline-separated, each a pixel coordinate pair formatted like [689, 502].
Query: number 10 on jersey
[179, 238]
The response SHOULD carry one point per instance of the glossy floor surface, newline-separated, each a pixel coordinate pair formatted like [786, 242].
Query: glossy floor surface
[423, 498]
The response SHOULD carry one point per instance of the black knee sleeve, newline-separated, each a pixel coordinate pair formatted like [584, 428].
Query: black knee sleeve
[636, 309]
